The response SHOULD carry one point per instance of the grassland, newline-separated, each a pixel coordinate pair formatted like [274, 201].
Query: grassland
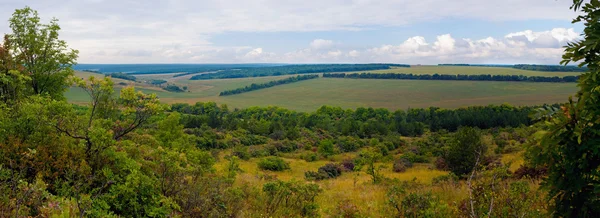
[353, 93]
[356, 187]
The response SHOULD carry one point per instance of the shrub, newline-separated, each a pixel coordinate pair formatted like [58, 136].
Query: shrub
[530, 172]
[440, 163]
[414, 158]
[449, 178]
[348, 165]
[241, 152]
[348, 144]
[326, 148]
[328, 171]
[310, 157]
[273, 164]
[288, 199]
[401, 165]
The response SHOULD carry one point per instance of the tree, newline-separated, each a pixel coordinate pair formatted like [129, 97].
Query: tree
[12, 79]
[42, 55]
[465, 151]
[570, 147]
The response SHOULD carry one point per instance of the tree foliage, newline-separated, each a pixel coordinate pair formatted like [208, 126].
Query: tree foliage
[569, 148]
[36, 49]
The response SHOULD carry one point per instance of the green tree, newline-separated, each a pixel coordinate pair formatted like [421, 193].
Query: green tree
[465, 151]
[326, 148]
[570, 147]
[40, 52]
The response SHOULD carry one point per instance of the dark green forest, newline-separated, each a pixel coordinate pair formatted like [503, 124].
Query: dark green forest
[402, 76]
[293, 69]
[255, 86]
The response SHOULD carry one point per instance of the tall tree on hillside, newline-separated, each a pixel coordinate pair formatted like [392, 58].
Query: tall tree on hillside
[43, 56]
[571, 146]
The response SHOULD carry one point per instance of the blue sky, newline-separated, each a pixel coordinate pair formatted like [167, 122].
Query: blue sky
[310, 31]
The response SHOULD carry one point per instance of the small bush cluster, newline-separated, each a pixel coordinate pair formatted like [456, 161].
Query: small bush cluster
[329, 171]
[401, 165]
[273, 164]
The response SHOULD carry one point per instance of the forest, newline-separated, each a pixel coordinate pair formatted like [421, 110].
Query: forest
[126, 154]
[255, 86]
[293, 69]
[122, 76]
[515, 78]
[550, 68]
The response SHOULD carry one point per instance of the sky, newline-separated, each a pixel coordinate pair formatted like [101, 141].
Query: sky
[310, 31]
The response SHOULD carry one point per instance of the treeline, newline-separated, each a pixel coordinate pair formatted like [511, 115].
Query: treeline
[255, 86]
[174, 88]
[483, 77]
[362, 122]
[293, 69]
[550, 68]
[476, 65]
[122, 76]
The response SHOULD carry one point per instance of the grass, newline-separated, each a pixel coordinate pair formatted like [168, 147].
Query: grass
[352, 93]
[472, 71]
[356, 187]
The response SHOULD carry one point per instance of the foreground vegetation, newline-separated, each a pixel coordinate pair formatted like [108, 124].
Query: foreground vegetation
[128, 155]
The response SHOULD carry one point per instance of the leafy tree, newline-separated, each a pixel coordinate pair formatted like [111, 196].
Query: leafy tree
[39, 52]
[13, 81]
[570, 146]
[466, 151]
[326, 148]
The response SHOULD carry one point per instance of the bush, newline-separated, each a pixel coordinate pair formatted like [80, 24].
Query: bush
[329, 171]
[440, 163]
[326, 148]
[347, 209]
[273, 164]
[414, 158]
[450, 178]
[530, 172]
[348, 165]
[401, 165]
[310, 157]
[288, 199]
[241, 152]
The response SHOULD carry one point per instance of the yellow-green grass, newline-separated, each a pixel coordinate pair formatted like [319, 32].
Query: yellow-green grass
[355, 187]
[472, 71]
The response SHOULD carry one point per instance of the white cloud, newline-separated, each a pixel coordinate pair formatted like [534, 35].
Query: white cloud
[319, 44]
[176, 31]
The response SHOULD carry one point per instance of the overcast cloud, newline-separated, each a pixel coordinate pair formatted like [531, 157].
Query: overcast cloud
[183, 31]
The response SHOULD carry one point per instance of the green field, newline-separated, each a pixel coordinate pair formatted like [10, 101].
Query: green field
[472, 71]
[353, 93]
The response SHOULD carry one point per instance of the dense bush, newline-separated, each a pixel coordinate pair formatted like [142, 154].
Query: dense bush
[329, 171]
[401, 165]
[290, 199]
[273, 164]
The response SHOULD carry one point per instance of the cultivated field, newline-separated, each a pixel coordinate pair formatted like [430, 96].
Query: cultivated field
[472, 71]
[353, 93]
